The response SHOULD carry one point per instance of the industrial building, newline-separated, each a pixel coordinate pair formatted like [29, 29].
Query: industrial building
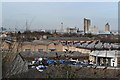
[106, 58]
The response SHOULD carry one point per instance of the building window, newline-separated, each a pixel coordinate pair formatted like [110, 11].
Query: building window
[52, 49]
[39, 50]
[27, 50]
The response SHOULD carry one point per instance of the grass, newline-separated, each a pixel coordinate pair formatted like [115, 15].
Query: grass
[70, 72]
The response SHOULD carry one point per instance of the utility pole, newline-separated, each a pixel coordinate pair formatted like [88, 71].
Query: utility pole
[67, 74]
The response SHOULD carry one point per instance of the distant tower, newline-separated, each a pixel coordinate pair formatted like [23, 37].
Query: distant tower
[107, 27]
[87, 24]
[26, 25]
[61, 26]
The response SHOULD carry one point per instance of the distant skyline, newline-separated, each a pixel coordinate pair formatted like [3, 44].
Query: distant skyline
[49, 15]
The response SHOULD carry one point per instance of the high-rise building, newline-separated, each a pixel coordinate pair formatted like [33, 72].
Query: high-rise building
[107, 27]
[87, 24]
[93, 30]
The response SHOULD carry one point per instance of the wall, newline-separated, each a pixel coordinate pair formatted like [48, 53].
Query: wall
[92, 58]
[51, 46]
[118, 60]
[31, 47]
[4, 45]
[10, 46]
[59, 47]
[44, 47]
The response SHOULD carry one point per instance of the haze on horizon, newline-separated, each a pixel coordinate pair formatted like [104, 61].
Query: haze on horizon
[49, 15]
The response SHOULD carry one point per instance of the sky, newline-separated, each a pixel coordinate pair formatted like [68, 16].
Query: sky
[60, 0]
[49, 15]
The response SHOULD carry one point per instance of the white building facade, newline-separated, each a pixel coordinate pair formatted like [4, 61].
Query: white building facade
[106, 58]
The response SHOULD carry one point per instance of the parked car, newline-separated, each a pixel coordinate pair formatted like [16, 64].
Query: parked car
[73, 62]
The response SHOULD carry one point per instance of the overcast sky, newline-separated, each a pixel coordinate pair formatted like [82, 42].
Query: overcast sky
[49, 15]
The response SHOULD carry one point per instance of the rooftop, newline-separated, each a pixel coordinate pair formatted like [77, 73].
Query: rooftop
[40, 42]
[52, 54]
[71, 38]
[106, 53]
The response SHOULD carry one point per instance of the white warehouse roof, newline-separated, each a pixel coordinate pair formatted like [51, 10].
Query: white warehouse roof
[106, 53]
